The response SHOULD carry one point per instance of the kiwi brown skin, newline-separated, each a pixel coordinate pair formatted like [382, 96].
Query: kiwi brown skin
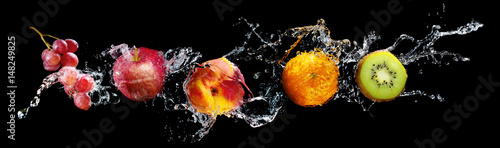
[362, 87]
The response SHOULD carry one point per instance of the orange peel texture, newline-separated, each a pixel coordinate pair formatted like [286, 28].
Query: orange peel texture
[310, 79]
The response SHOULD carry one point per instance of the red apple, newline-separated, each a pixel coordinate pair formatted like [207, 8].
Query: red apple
[217, 88]
[140, 73]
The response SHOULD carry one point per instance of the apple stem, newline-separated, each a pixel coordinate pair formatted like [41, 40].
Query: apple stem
[43, 39]
[136, 58]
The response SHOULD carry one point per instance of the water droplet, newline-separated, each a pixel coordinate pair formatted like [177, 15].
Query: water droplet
[35, 101]
[256, 75]
[21, 114]
[444, 8]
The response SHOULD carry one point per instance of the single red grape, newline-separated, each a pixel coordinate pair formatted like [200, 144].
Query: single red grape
[67, 75]
[84, 83]
[51, 58]
[60, 46]
[82, 101]
[69, 59]
[72, 45]
[44, 53]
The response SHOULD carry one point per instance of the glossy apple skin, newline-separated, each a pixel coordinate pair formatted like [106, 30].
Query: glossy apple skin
[216, 88]
[140, 79]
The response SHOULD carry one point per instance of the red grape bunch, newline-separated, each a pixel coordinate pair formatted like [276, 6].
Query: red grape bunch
[52, 58]
[76, 84]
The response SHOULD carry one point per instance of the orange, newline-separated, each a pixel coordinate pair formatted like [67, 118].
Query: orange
[310, 79]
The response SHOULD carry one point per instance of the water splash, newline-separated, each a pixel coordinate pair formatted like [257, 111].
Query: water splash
[261, 50]
[426, 44]
[100, 95]
[267, 53]
[422, 93]
[346, 55]
[46, 84]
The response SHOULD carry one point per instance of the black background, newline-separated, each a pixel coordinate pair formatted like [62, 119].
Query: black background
[168, 24]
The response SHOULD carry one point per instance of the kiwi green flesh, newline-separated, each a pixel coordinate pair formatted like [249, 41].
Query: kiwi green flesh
[382, 76]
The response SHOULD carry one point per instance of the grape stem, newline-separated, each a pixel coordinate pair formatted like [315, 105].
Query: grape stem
[43, 39]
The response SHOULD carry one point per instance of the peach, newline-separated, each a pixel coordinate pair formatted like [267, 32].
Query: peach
[216, 88]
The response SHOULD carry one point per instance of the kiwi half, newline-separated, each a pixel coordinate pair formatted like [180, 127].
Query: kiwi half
[381, 76]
